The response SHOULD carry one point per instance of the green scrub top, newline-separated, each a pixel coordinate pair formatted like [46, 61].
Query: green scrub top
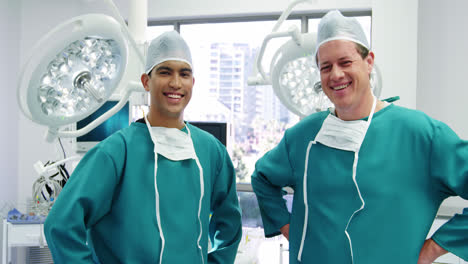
[108, 209]
[408, 164]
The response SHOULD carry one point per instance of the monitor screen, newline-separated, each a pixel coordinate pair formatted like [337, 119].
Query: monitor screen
[116, 122]
[218, 130]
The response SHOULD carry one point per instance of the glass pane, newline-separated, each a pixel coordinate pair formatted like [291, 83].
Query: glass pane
[223, 57]
[254, 247]
[251, 212]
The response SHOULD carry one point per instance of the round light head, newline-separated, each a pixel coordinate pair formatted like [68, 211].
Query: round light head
[295, 78]
[73, 70]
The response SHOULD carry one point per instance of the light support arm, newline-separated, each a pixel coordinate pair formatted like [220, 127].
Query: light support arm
[42, 170]
[138, 7]
[132, 86]
[288, 11]
[138, 20]
[259, 76]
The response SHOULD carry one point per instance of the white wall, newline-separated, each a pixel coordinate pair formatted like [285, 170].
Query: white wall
[394, 41]
[443, 54]
[442, 64]
[9, 52]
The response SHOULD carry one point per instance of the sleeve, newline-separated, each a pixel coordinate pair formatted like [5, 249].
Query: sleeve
[85, 198]
[449, 163]
[273, 172]
[225, 228]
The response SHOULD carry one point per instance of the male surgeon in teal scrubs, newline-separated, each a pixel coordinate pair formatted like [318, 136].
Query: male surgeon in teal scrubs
[368, 176]
[158, 191]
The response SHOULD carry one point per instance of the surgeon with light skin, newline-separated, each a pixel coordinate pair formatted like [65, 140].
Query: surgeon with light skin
[368, 176]
[158, 191]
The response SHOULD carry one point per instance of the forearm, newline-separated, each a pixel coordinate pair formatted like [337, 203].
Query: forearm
[430, 252]
[272, 206]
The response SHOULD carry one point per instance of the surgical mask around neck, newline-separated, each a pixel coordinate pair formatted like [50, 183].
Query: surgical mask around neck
[172, 143]
[344, 135]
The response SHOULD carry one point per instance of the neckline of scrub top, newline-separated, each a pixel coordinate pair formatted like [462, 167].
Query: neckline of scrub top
[376, 114]
[142, 121]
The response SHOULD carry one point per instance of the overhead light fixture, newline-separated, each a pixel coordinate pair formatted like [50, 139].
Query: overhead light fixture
[74, 69]
[293, 73]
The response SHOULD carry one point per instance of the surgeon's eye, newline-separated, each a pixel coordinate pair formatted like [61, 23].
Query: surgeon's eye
[325, 68]
[346, 63]
[186, 74]
[163, 72]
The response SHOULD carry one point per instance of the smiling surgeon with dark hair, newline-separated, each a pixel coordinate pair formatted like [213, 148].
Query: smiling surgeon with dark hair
[158, 191]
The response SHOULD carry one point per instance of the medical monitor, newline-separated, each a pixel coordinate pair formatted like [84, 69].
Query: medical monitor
[218, 130]
[116, 122]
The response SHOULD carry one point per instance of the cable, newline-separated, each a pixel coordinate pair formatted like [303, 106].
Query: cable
[63, 150]
[46, 189]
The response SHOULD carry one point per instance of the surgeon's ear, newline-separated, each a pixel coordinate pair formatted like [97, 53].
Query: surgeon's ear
[144, 80]
[370, 61]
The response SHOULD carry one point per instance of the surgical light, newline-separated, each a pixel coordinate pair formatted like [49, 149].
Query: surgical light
[73, 70]
[293, 73]
[295, 79]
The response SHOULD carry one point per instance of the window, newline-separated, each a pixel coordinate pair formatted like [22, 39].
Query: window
[234, 42]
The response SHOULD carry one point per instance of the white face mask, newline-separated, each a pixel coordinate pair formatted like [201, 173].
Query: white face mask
[172, 143]
[339, 134]
[344, 135]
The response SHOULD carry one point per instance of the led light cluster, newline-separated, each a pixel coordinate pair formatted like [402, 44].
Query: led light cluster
[77, 78]
[300, 80]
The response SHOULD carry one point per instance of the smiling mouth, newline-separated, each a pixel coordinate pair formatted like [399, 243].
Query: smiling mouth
[173, 95]
[340, 87]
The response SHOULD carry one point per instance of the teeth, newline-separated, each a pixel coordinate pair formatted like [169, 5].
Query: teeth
[176, 96]
[340, 87]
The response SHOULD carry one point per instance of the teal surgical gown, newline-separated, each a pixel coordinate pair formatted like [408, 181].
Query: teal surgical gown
[107, 209]
[408, 164]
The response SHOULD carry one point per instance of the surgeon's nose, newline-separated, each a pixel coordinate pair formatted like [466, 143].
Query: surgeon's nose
[176, 82]
[336, 73]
